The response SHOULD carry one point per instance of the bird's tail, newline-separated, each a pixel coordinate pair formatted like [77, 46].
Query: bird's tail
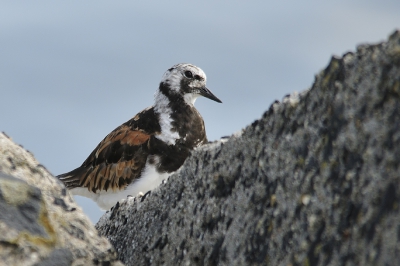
[72, 179]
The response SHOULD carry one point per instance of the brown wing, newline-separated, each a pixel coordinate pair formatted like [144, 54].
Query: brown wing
[118, 159]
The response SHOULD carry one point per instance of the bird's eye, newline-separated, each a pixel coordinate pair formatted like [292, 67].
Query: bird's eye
[188, 74]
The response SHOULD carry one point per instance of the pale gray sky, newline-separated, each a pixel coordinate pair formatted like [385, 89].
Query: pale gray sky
[71, 71]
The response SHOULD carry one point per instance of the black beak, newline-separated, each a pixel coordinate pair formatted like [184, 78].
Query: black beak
[208, 94]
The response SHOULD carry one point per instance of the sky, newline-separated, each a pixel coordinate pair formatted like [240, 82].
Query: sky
[72, 71]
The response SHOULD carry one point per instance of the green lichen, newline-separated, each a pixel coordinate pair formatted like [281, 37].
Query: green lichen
[395, 89]
[37, 240]
[328, 76]
[15, 193]
[300, 161]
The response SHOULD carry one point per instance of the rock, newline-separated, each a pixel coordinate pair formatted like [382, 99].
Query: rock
[40, 224]
[315, 181]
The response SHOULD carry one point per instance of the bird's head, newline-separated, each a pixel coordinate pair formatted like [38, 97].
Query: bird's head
[187, 82]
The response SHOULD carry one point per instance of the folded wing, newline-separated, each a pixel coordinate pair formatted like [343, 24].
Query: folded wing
[116, 162]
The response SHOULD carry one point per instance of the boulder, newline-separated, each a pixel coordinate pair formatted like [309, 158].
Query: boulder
[40, 224]
[314, 181]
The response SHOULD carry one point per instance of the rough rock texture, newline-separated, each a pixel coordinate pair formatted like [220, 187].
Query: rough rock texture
[315, 181]
[40, 224]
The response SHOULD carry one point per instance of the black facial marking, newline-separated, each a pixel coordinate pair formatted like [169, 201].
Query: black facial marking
[164, 89]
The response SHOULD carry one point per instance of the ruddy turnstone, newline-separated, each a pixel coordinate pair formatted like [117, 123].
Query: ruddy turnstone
[136, 156]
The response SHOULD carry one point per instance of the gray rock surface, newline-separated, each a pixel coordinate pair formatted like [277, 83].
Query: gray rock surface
[40, 224]
[315, 181]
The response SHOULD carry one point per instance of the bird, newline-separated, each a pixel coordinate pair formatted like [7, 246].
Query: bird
[138, 155]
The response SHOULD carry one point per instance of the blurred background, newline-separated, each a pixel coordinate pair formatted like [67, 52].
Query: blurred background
[72, 71]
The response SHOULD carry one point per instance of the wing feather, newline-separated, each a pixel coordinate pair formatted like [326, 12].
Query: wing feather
[118, 159]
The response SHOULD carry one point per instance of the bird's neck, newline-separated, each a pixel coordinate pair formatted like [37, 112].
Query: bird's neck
[165, 100]
[178, 119]
[161, 103]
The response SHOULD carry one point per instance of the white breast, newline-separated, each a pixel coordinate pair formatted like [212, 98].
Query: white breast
[165, 112]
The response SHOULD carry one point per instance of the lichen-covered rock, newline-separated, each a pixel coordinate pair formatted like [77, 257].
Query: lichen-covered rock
[315, 181]
[40, 224]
